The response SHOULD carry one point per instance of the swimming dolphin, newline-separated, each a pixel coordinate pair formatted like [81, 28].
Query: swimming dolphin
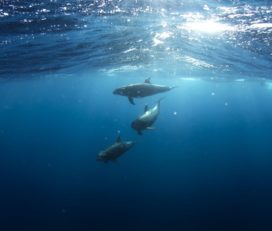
[140, 90]
[146, 120]
[115, 150]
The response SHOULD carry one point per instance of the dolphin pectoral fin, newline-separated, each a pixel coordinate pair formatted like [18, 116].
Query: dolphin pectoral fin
[140, 132]
[150, 128]
[131, 100]
[147, 80]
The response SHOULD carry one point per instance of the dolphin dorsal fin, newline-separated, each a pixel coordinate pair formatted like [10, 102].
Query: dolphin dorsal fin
[145, 108]
[118, 139]
[147, 80]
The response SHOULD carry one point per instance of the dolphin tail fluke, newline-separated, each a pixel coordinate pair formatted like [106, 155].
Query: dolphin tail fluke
[160, 99]
[131, 100]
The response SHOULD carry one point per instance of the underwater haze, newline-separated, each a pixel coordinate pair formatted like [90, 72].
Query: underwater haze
[207, 162]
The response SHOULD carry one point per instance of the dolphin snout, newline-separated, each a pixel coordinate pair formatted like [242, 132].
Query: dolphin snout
[119, 91]
[132, 143]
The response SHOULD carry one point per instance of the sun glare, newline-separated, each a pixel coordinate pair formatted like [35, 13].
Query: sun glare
[209, 27]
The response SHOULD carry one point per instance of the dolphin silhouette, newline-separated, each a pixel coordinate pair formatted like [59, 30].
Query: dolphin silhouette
[139, 90]
[146, 120]
[115, 150]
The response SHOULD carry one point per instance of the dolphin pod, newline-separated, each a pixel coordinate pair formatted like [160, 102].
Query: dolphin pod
[143, 122]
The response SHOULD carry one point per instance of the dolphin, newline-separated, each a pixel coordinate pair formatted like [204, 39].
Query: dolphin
[115, 150]
[139, 90]
[146, 120]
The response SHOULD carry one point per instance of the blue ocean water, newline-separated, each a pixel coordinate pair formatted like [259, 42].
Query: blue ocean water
[205, 166]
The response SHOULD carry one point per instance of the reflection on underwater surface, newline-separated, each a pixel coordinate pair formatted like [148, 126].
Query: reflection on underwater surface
[198, 38]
